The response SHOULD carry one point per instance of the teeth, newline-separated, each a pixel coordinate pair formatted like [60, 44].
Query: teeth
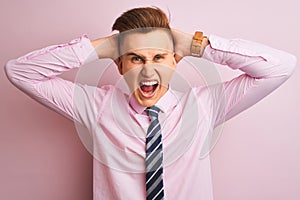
[148, 83]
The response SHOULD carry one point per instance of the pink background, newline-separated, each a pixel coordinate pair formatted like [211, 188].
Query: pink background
[42, 157]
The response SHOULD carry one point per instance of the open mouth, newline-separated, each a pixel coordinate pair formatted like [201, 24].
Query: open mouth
[148, 88]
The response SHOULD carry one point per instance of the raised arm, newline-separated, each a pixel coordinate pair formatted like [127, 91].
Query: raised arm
[36, 74]
[265, 70]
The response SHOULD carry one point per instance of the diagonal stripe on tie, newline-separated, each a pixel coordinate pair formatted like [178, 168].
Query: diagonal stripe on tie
[155, 185]
[152, 141]
[156, 191]
[155, 144]
[153, 163]
[153, 128]
[153, 175]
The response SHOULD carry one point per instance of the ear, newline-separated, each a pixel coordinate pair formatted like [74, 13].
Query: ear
[118, 62]
[177, 58]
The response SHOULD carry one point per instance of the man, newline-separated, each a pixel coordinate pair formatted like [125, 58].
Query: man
[146, 144]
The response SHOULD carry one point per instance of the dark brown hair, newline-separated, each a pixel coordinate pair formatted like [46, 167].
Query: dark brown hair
[144, 17]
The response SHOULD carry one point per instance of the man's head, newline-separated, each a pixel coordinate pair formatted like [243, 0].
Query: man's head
[146, 52]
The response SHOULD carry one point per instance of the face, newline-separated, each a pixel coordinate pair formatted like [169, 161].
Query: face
[147, 63]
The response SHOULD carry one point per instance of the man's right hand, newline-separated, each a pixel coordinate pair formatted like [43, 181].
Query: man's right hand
[107, 47]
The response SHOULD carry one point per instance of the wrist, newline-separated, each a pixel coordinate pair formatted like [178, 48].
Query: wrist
[199, 42]
[186, 46]
[183, 48]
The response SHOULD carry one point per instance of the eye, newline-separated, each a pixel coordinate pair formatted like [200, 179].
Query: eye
[136, 59]
[158, 57]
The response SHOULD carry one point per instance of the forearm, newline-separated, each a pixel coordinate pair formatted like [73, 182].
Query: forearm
[36, 75]
[46, 63]
[265, 70]
[238, 54]
[256, 60]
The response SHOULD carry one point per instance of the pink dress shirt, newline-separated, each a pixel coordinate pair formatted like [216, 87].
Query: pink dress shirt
[118, 125]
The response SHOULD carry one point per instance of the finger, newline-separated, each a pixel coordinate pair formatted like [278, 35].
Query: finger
[177, 58]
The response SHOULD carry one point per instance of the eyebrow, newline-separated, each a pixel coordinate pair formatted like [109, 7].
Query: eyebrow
[134, 54]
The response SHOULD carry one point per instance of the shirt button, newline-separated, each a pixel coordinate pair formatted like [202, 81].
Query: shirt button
[73, 41]
[212, 52]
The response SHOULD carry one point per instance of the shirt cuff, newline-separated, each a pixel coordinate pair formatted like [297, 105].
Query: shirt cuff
[84, 49]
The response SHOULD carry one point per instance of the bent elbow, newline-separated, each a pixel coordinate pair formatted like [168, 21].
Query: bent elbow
[15, 73]
[9, 69]
[285, 64]
[290, 63]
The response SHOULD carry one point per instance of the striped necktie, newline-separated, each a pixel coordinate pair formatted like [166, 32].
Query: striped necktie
[154, 157]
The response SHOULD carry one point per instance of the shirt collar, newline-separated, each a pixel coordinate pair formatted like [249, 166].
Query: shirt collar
[167, 102]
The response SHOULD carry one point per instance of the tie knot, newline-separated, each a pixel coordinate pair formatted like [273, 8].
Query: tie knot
[153, 111]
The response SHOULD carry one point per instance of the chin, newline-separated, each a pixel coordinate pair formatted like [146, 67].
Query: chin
[146, 102]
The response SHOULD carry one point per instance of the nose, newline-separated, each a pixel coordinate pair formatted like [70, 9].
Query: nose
[147, 70]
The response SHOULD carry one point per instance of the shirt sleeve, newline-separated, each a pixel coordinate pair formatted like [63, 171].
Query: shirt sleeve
[36, 74]
[265, 69]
